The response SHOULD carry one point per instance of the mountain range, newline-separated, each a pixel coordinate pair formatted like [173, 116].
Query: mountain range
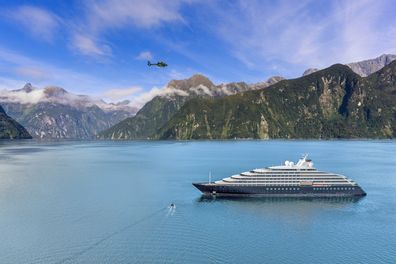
[316, 105]
[190, 108]
[52, 112]
[331, 103]
[160, 109]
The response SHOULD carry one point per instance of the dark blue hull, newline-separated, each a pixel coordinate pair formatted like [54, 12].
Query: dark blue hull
[279, 191]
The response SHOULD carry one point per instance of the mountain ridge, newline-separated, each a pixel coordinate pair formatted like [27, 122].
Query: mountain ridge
[331, 103]
[160, 109]
[364, 67]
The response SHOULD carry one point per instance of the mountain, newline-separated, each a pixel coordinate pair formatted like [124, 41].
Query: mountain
[270, 81]
[157, 112]
[309, 71]
[367, 67]
[52, 112]
[364, 68]
[331, 103]
[10, 129]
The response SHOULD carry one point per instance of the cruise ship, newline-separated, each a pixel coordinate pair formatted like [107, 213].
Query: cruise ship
[288, 180]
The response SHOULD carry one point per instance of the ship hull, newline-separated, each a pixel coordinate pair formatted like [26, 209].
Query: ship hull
[279, 191]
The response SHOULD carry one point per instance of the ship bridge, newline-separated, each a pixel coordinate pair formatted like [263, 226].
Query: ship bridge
[303, 164]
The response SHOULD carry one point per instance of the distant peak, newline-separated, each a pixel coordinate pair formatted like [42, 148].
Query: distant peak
[193, 81]
[367, 67]
[27, 88]
[54, 91]
[198, 76]
[309, 71]
[274, 79]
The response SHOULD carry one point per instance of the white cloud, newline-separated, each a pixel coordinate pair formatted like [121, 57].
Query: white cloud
[305, 33]
[363, 31]
[11, 83]
[88, 45]
[32, 73]
[175, 74]
[22, 97]
[58, 95]
[117, 94]
[144, 55]
[20, 67]
[118, 13]
[41, 23]
[102, 16]
[141, 99]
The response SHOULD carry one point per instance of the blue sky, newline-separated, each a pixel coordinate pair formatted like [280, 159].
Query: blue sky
[101, 47]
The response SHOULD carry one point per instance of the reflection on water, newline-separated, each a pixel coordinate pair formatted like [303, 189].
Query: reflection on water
[301, 210]
[331, 201]
[263, 200]
[23, 151]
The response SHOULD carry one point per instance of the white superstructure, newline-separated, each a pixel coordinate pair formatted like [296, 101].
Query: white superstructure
[303, 173]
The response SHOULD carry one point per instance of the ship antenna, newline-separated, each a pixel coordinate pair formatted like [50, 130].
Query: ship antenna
[210, 176]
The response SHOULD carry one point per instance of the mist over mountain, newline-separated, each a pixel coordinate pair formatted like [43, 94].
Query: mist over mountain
[52, 112]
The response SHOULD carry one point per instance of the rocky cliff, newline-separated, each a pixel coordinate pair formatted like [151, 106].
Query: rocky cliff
[10, 129]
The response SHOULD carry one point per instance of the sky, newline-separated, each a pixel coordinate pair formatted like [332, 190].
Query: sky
[101, 48]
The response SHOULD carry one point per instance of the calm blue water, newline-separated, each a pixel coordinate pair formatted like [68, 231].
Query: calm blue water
[106, 202]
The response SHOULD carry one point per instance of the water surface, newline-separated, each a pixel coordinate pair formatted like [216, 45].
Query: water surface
[107, 202]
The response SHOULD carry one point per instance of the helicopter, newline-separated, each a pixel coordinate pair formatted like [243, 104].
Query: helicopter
[160, 64]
